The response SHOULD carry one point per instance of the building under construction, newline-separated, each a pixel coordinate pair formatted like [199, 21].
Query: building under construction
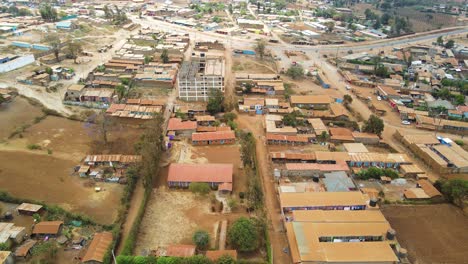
[198, 77]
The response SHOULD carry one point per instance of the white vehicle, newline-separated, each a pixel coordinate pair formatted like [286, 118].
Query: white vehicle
[379, 98]
[406, 122]
[348, 87]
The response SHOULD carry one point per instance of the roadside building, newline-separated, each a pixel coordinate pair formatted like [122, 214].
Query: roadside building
[29, 209]
[366, 138]
[382, 160]
[274, 139]
[249, 23]
[47, 228]
[183, 128]
[355, 147]
[341, 134]
[199, 77]
[322, 201]
[313, 169]
[317, 102]
[181, 175]
[274, 125]
[291, 157]
[73, 92]
[98, 248]
[338, 216]
[387, 92]
[181, 251]
[214, 138]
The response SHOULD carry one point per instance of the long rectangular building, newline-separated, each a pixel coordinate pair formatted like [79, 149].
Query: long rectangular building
[322, 201]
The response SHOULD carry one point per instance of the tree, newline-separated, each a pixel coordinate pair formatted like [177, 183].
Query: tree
[2, 99]
[230, 9]
[216, 19]
[226, 259]
[323, 137]
[260, 48]
[48, 13]
[37, 218]
[243, 235]
[456, 190]
[215, 102]
[165, 56]
[101, 125]
[230, 116]
[330, 26]
[440, 41]
[374, 125]
[381, 71]
[450, 44]
[150, 148]
[295, 72]
[4, 247]
[347, 99]
[55, 44]
[74, 49]
[201, 188]
[459, 99]
[120, 89]
[201, 239]
[248, 153]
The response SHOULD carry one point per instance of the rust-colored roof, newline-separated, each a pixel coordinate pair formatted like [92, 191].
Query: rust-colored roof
[211, 172]
[428, 188]
[311, 99]
[293, 156]
[23, 250]
[216, 254]
[226, 186]
[218, 135]
[47, 227]
[340, 131]
[286, 138]
[341, 166]
[180, 251]
[113, 158]
[98, 247]
[178, 124]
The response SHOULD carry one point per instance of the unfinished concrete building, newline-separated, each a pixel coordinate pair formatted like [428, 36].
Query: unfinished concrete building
[199, 76]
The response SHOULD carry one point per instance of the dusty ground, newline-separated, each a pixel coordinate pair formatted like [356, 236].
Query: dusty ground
[243, 63]
[15, 114]
[430, 233]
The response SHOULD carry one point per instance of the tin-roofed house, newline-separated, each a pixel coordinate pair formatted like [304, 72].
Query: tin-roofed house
[214, 138]
[215, 174]
[98, 248]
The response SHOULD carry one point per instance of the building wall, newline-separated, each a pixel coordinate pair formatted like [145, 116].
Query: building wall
[17, 63]
[198, 89]
[214, 142]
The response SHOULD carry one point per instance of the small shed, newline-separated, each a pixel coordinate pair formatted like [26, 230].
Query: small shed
[29, 209]
[48, 228]
[385, 179]
[24, 250]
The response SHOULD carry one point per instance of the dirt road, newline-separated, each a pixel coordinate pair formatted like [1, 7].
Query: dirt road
[276, 229]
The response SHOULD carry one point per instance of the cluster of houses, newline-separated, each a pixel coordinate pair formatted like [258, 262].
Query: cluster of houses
[109, 168]
[422, 85]
[24, 239]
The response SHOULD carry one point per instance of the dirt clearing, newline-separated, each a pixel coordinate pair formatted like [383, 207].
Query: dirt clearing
[15, 114]
[431, 233]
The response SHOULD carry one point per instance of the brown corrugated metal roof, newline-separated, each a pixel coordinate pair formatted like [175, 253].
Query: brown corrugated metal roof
[98, 247]
[178, 124]
[47, 227]
[211, 172]
[428, 188]
[218, 135]
[23, 250]
[341, 166]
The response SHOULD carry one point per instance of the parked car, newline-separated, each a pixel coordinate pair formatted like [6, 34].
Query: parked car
[348, 87]
[406, 122]
[379, 98]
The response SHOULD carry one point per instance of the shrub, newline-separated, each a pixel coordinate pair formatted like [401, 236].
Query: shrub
[201, 239]
[33, 147]
[199, 188]
[230, 116]
[459, 142]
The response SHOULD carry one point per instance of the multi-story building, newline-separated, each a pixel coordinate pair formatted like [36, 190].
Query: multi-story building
[198, 77]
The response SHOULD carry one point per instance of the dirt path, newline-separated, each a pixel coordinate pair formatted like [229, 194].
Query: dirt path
[276, 231]
[132, 213]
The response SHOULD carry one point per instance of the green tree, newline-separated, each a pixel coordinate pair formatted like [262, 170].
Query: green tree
[232, 125]
[120, 89]
[260, 48]
[450, 44]
[2, 99]
[374, 125]
[230, 9]
[148, 59]
[243, 235]
[226, 259]
[201, 239]
[347, 99]
[254, 192]
[248, 153]
[216, 19]
[295, 72]
[37, 218]
[48, 13]
[215, 101]
[323, 136]
[55, 43]
[201, 188]
[456, 190]
[440, 41]
[74, 49]
[165, 56]
[230, 116]
[459, 99]
[381, 71]
[4, 247]
[330, 26]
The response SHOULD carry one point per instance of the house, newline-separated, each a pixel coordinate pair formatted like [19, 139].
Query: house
[29, 209]
[11, 234]
[341, 237]
[24, 250]
[322, 201]
[338, 181]
[341, 134]
[214, 255]
[249, 23]
[181, 251]
[98, 248]
[214, 138]
[183, 128]
[317, 102]
[355, 147]
[251, 104]
[313, 169]
[47, 228]
[429, 189]
[387, 92]
[73, 92]
[339, 112]
[67, 25]
[274, 139]
[366, 138]
[318, 126]
[6, 257]
[101, 95]
[215, 174]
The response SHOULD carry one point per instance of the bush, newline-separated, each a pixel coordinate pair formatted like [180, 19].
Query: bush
[376, 173]
[230, 116]
[459, 142]
[243, 235]
[199, 188]
[201, 239]
[33, 147]
[295, 72]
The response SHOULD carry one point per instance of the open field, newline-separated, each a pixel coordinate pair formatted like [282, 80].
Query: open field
[242, 63]
[16, 113]
[430, 233]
